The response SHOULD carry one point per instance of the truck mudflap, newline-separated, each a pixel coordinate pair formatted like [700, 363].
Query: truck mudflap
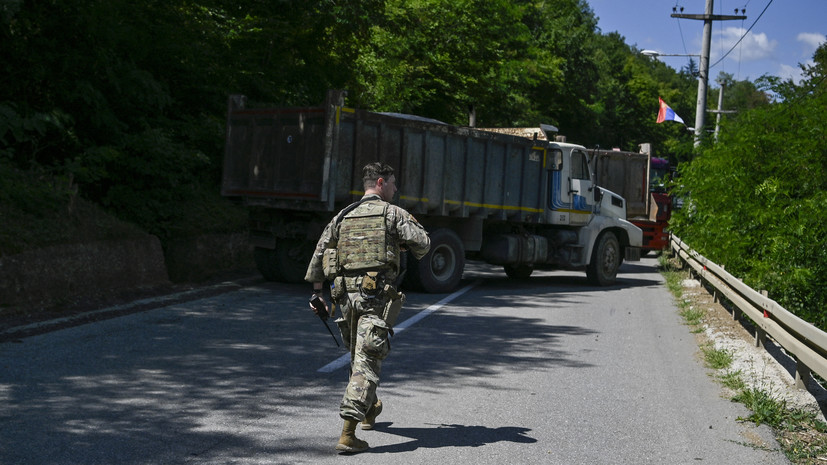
[632, 254]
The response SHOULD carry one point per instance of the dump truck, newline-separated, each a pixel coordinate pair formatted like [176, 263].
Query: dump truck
[511, 201]
[639, 178]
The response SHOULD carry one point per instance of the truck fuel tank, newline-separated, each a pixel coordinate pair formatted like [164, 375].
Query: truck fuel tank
[515, 249]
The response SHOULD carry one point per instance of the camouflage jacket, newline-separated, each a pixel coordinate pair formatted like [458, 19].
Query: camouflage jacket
[402, 228]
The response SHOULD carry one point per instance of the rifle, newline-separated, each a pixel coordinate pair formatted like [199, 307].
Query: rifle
[317, 303]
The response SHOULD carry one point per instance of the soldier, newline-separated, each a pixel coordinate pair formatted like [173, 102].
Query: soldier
[360, 251]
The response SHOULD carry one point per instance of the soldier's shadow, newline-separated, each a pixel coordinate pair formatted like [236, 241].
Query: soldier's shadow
[442, 435]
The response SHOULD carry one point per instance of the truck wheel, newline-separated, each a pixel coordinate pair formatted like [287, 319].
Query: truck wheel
[441, 269]
[267, 263]
[293, 258]
[518, 271]
[602, 269]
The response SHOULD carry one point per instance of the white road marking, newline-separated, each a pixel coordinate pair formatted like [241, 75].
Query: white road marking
[345, 359]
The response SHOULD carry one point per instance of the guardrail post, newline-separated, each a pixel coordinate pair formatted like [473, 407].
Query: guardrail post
[802, 375]
[736, 312]
[715, 296]
[760, 337]
[760, 334]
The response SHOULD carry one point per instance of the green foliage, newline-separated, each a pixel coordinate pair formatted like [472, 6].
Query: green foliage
[733, 380]
[438, 57]
[756, 199]
[767, 409]
[715, 358]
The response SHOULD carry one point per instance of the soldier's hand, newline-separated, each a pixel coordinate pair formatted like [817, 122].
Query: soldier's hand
[319, 306]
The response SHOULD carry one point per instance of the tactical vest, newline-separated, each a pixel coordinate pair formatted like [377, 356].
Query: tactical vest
[364, 244]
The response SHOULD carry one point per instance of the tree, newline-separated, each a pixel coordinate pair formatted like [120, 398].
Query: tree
[438, 57]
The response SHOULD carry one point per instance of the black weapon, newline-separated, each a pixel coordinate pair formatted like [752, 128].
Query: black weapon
[317, 303]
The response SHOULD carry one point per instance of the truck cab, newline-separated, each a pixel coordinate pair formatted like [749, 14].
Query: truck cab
[595, 233]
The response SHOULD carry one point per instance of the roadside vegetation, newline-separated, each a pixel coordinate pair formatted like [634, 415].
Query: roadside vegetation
[802, 436]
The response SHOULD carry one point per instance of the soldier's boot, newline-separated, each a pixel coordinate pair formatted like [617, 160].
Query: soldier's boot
[348, 442]
[370, 417]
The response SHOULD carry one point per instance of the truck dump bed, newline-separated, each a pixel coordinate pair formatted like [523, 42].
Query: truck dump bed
[311, 159]
[627, 174]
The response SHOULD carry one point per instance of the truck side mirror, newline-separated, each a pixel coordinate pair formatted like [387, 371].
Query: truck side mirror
[598, 194]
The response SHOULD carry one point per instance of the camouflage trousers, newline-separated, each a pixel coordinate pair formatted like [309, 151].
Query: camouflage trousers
[370, 333]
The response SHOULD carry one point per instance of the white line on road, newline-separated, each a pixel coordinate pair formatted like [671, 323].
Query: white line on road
[345, 359]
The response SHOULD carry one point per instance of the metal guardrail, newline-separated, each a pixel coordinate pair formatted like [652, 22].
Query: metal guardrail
[799, 338]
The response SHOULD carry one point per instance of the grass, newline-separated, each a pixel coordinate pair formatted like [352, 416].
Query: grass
[717, 359]
[733, 380]
[674, 282]
[692, 316]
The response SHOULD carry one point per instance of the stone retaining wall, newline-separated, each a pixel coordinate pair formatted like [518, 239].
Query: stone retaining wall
[51, 275]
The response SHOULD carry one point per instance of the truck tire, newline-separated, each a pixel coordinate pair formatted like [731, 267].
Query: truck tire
[519, 272]
[293, 258]
[441, 269]
[602, 269]
[267, 263]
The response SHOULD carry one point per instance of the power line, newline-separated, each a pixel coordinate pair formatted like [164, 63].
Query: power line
[745, 34]
[680, 30]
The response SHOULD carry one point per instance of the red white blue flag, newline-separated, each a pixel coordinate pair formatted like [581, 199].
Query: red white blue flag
[667, 114]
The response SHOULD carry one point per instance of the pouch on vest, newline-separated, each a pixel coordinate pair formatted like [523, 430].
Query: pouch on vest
[337, 288]
[330, 264]
[371, 284]
[393, 306]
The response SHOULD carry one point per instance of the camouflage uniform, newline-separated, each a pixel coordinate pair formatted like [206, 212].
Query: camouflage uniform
[365, 314]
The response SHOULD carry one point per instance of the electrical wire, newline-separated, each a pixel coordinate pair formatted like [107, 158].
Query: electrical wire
[680, 30]
[745, 34]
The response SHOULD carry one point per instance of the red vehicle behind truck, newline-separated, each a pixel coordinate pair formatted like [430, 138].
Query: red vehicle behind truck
[639, 178]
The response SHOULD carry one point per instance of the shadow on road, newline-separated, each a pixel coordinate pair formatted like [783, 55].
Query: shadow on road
[450, 436]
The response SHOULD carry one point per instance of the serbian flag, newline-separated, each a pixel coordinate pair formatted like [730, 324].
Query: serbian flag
[667, 114]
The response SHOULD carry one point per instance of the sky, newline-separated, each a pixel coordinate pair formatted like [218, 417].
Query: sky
[785, 33]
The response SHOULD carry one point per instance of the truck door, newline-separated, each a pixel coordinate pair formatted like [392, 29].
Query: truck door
[571, 198]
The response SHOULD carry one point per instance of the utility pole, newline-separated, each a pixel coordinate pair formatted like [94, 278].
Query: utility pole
[720, 111]
[720, 108]
[703, 79]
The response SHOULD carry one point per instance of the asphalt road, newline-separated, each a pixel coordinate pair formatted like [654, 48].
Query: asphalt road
[550, 370]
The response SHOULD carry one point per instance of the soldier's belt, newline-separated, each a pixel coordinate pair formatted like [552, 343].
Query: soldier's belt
[369, 284]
